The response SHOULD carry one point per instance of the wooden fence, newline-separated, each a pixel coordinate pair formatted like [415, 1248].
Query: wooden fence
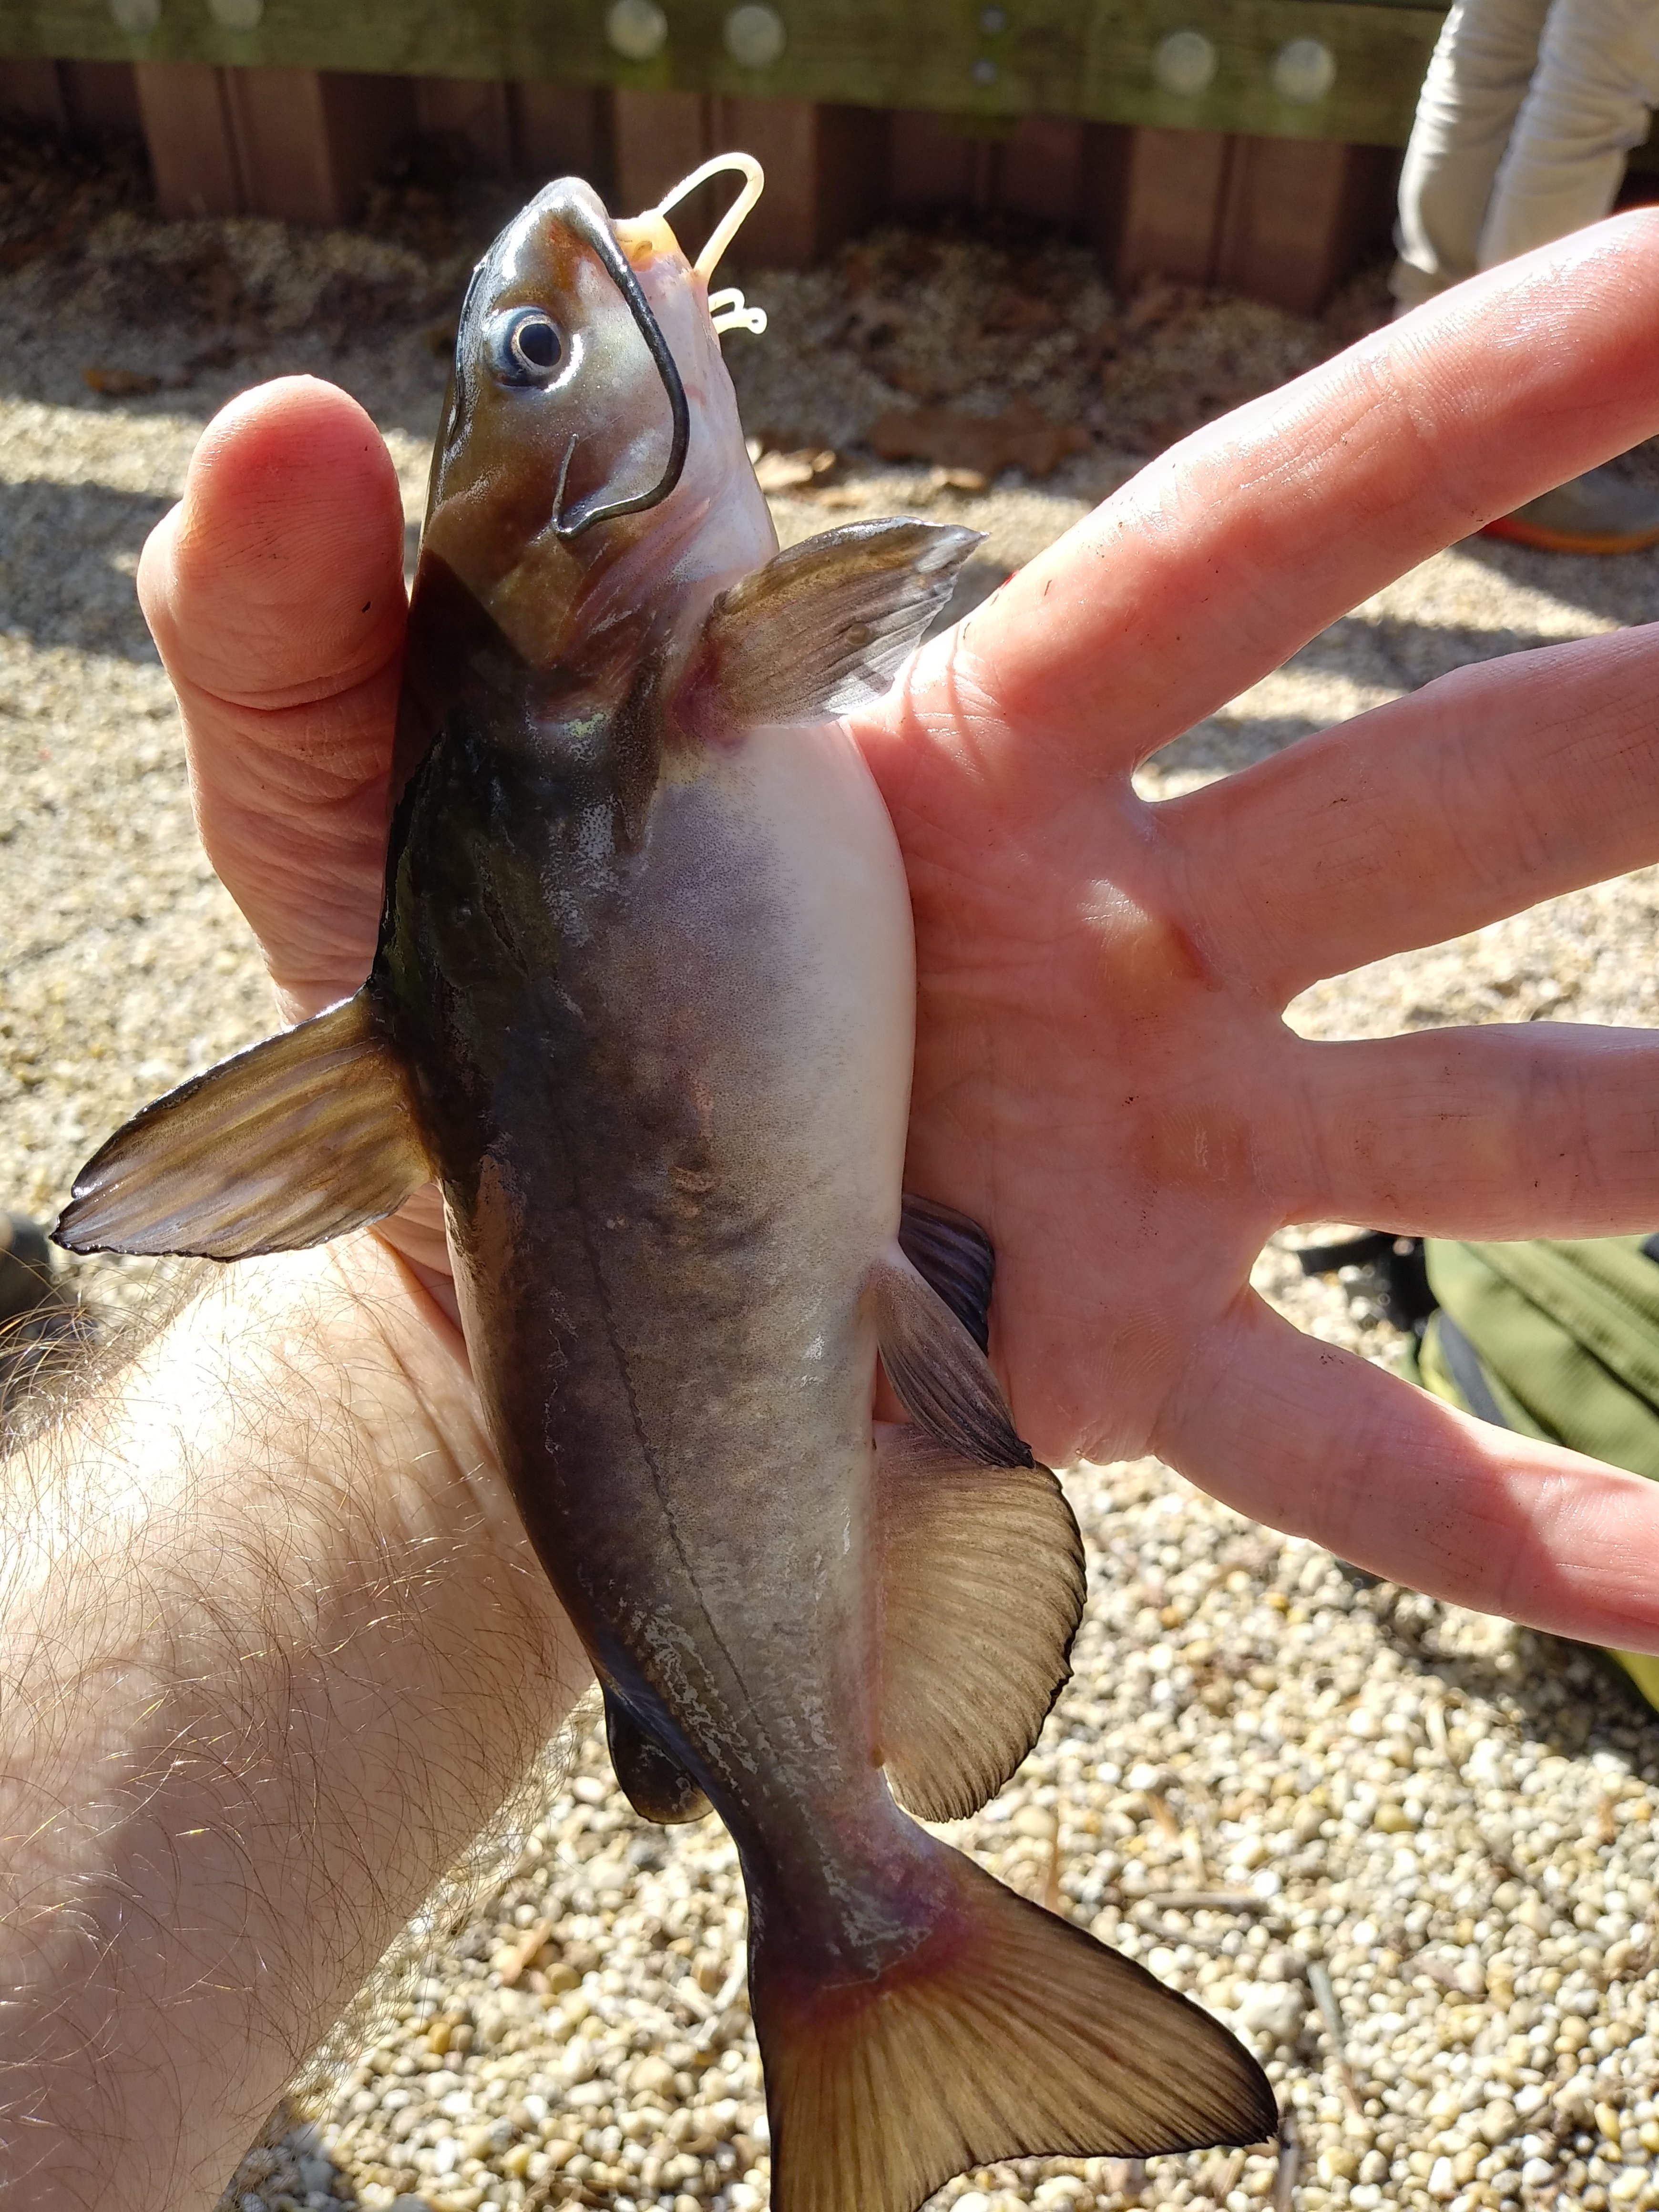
[1250, 142]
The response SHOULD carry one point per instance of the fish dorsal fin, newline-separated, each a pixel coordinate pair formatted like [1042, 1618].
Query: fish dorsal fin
[301, 1138]
[982, 1587]
[954, 1256]
[655, 1783]
[821, 629]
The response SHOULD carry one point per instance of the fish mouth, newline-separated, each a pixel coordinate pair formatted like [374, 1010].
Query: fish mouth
[574, 204]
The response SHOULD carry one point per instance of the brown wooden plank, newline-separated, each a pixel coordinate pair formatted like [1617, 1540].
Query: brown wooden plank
[1292, 218]
[929, 165]
[1158, 203]
[1088, 59]
[473, 114]
[365, 119]
[31, 91]
[564, 130]
[187, 132]
[307, 142]
[784, 232]
[283, 150]
[853, 155]
[1042, 169]
[102, 99]
[660, 137]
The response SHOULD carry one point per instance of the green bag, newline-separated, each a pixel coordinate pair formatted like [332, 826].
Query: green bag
[1557, 1340]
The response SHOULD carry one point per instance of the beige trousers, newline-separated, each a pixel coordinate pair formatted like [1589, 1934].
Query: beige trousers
[1525, 118]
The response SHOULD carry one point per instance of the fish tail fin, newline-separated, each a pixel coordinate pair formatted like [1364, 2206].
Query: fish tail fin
[1006, 2032]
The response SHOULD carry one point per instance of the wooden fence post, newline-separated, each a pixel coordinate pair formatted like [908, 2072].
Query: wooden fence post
[32, 92]
[475, 111]
[1154, 200]
[1295, 213]
[298, 143]
[565, 131]
[187, 129]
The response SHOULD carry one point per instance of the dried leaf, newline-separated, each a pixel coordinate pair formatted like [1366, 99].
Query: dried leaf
[120, 383]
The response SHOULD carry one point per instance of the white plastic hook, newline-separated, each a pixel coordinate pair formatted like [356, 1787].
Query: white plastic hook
[754, 183]
[728, 313]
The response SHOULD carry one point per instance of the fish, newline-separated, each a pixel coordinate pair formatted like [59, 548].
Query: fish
[643, 1005]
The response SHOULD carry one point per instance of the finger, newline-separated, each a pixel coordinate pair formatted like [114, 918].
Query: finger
[1229, 551]
[275, 592]
[1488, 790]
[1315, 1441]
[1546, 1129]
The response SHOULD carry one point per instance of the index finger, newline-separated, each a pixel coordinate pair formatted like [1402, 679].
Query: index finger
[1227, 553]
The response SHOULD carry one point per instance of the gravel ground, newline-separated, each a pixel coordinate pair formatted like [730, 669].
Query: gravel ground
[1408, 1851]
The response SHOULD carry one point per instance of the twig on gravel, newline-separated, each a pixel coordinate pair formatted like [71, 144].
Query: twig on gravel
[1290, 2165]
[1051, 1898]
[1331, 2014]
[1207, 1900]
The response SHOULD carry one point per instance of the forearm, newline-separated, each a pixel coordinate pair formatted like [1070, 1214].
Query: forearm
[272, 1647]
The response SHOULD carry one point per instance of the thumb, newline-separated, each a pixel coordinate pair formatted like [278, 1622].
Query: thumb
[275, 593]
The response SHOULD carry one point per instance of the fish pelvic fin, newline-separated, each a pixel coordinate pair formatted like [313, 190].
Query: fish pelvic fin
[943, 1379]
[297, 1140]
[972, 1655]
[1007, 2033]
[657, 1786]
[822, 629]
[955, 1257]
[972, 1658]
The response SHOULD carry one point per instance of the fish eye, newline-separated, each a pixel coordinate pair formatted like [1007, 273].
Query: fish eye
[522, 346]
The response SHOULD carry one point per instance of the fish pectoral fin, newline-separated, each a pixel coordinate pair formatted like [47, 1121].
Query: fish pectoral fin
[822, 628]
[982, 1587]
[943, 1379]
[296, 1140]
[1003, 2032]
[955, 1257]
[655, 1783]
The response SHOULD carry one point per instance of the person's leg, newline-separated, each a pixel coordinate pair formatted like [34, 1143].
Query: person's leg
[1597, 77]
[1597, 80]
[1476, 82]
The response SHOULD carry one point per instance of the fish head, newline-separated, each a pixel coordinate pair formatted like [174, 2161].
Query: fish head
[591, 457]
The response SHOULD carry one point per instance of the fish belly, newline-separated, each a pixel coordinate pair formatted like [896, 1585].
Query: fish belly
[665, 1260]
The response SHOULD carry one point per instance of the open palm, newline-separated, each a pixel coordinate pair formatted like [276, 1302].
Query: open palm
[1104, 1076]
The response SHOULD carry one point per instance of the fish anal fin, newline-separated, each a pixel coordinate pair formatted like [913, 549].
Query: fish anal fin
[296, 1140]
[654, 1782]
[1007, 2033]
[943, 1379]
[821, 629]
[953, 1255]
[973, 1655]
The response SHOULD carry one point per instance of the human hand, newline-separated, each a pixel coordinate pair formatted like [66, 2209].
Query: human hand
[1103, 1079]
[1103, 1076]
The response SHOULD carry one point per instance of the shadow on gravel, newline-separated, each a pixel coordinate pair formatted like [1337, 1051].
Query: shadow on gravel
[1620, 587]
[1224, 743]
[67, 556]
[1387, 650]
[1569, 1696]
